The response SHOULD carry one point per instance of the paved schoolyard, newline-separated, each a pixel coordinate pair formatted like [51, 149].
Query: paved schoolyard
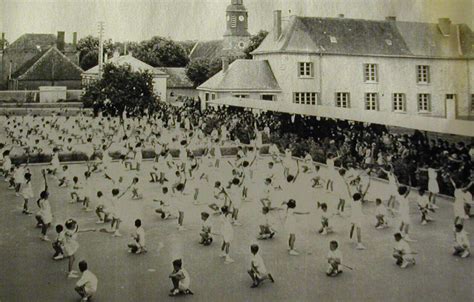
[29, 274]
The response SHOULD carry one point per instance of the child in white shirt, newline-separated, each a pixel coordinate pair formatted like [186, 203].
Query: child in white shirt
[402, 252]
[86, 287]
[462, 246]
[206, 228]
[258, 271]
[137, 246]
[334, 258]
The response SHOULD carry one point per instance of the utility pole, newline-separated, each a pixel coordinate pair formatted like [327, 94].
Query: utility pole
[101, 46]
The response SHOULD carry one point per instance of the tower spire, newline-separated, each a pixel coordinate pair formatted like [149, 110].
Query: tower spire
[236, 35]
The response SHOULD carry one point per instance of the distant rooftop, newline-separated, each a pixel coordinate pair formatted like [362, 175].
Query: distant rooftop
[135, 64]
[368, 37]
[242, 75]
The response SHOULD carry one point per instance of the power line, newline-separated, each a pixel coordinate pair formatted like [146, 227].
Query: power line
[101, 27]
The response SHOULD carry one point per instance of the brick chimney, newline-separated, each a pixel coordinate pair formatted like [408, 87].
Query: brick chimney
[391, 18]
[225, 64]
[60, 42]
[2, 42]
[444, 25]
[276, 24]
[74, 40]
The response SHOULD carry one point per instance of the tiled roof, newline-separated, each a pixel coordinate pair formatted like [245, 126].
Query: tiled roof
[135, 63]
[212, 50]
[49, 65]
[207, 49]
[243, 75]
[33, 41]
[367, 37]
[177, 77]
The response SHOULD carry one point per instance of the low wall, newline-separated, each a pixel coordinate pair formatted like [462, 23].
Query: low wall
[42, 105]
[20, 96]
[68, 111]
[147, 154]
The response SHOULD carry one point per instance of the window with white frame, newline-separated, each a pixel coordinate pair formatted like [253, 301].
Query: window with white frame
[399, 102]
[305, 98]
[371, 101]
[268, 97]
[472, 102]
[422, 74]
[241, 96]
[370, 73]
[342, 99]
[424, 102]
[213, 96]
[206, 96]
[305, 69]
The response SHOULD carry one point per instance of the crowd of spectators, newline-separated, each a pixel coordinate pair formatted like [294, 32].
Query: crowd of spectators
[359, 144]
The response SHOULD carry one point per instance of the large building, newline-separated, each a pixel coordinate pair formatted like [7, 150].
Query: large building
[25, 51]
[236, 36]
[159, 76]
[408, 74]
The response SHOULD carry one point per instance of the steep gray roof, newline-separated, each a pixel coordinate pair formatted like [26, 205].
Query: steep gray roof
[212, 50]
[134, 63]
[33, 42]
[177, 77]
[368, 37]
[47, 66]
[207, 49]
[243, 75]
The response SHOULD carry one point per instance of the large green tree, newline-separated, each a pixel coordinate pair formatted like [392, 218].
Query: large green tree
[88, 48]
[161, 52]
[255, 42]
[201, 69]
[121, 89]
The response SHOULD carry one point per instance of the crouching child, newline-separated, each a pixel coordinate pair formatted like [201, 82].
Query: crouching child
[258, 271]
[402, 252]
[334, 258]
[180, 279]
[206, 237]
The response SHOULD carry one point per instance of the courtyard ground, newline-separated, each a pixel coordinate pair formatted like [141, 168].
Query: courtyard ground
[29, 274]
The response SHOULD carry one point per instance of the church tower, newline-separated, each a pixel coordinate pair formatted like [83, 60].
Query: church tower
[236, 37]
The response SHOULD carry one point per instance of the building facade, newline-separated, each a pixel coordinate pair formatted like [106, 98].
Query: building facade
[159, 76]
[20, 53]
[178, 85]
[49, 68]
[408, 74]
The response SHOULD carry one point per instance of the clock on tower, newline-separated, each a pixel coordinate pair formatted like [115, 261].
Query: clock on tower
[236, 37]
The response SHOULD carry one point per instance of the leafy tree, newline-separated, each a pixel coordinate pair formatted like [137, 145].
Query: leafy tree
[161, 52]
[198, 70]
[187, 45]
[255, 42]
[89, 60]
[201, 69]
[121, 89]
[88, 47]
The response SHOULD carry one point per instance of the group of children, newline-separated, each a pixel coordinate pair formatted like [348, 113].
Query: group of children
[275, 186]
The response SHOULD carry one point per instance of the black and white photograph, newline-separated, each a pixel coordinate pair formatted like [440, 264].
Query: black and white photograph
[236, 150]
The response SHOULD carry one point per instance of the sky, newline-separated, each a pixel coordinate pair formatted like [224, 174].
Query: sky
[136, 20]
